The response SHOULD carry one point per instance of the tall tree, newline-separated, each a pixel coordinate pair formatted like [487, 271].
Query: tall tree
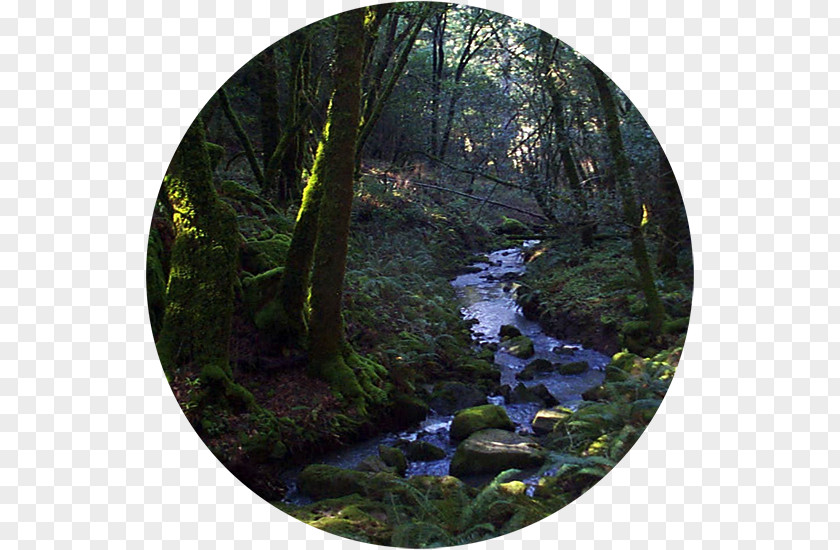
[336, 162]
[631, 209]
[197, 319]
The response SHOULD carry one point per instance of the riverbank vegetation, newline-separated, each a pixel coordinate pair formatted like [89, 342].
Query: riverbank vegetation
[306, 233]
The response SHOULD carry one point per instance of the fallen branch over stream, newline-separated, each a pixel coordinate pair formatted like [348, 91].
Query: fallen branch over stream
[467, 195]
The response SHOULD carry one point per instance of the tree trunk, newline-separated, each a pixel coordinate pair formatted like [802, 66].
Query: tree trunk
[243, 137]
[197, 319]
[632, 211]
[336, 170]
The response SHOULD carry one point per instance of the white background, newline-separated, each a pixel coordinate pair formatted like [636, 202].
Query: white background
[94, 451]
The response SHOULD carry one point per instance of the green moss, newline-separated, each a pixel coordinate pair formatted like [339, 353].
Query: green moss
[478, 418]
[519, 346]
[394, 458]
[323, 481]
[408, 409]
[575, 367]
[510, 226]
[200, 292]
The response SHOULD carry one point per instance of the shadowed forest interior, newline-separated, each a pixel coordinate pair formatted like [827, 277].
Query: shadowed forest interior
[419, 274]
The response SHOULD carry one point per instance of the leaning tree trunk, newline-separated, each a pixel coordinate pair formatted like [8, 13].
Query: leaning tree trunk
[335, 159]
[197, 320]
[632, 211]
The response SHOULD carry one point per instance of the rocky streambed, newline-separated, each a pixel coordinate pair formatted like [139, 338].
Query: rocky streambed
[468, 434]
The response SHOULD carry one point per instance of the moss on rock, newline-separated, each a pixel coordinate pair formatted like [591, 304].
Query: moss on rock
[575, 367]
[323, 481]
[478, 418]
[519, 346]
[394, 458]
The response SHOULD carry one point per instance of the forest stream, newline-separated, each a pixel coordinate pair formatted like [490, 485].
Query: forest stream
[487, 297]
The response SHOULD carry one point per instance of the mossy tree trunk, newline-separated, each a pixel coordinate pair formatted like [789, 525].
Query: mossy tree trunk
[336, 161]
[200, 291]
[631, 209]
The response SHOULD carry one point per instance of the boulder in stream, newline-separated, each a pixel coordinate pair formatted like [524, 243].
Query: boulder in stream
[408, 409]
[575, 367]
[492, 451]
[519, 346]
[449, 397]
[545, 396]
[474, 419]
[547, 420]
[533, 368]
[394, 458]
[521, 394]
[508, 331]
[423, 451]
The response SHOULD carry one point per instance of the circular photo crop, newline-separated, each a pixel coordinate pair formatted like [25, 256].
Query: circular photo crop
[419, 274]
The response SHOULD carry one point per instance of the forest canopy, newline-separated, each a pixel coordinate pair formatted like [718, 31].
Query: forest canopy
[302, 254]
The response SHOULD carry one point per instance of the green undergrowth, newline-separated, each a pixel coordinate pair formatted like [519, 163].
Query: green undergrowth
[399, 304]
[430, 511]
[593, 295]
[424, 511]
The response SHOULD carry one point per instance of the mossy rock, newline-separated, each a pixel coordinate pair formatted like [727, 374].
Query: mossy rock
[486, 374]
[478, 418]
[546, 396]
[449, 397]
[519, 346]
[374, 465]
[321, 481]
[423, 451]
[548, 420]
[394, 458]
[521, 394]
[533, 368]
[353, 517]
[575, 367]
[408, 409]
[492, 451]
[597, 393]
[510, 226]
[509, 331]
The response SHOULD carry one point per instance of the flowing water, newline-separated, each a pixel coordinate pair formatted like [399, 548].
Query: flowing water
[487, 296]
